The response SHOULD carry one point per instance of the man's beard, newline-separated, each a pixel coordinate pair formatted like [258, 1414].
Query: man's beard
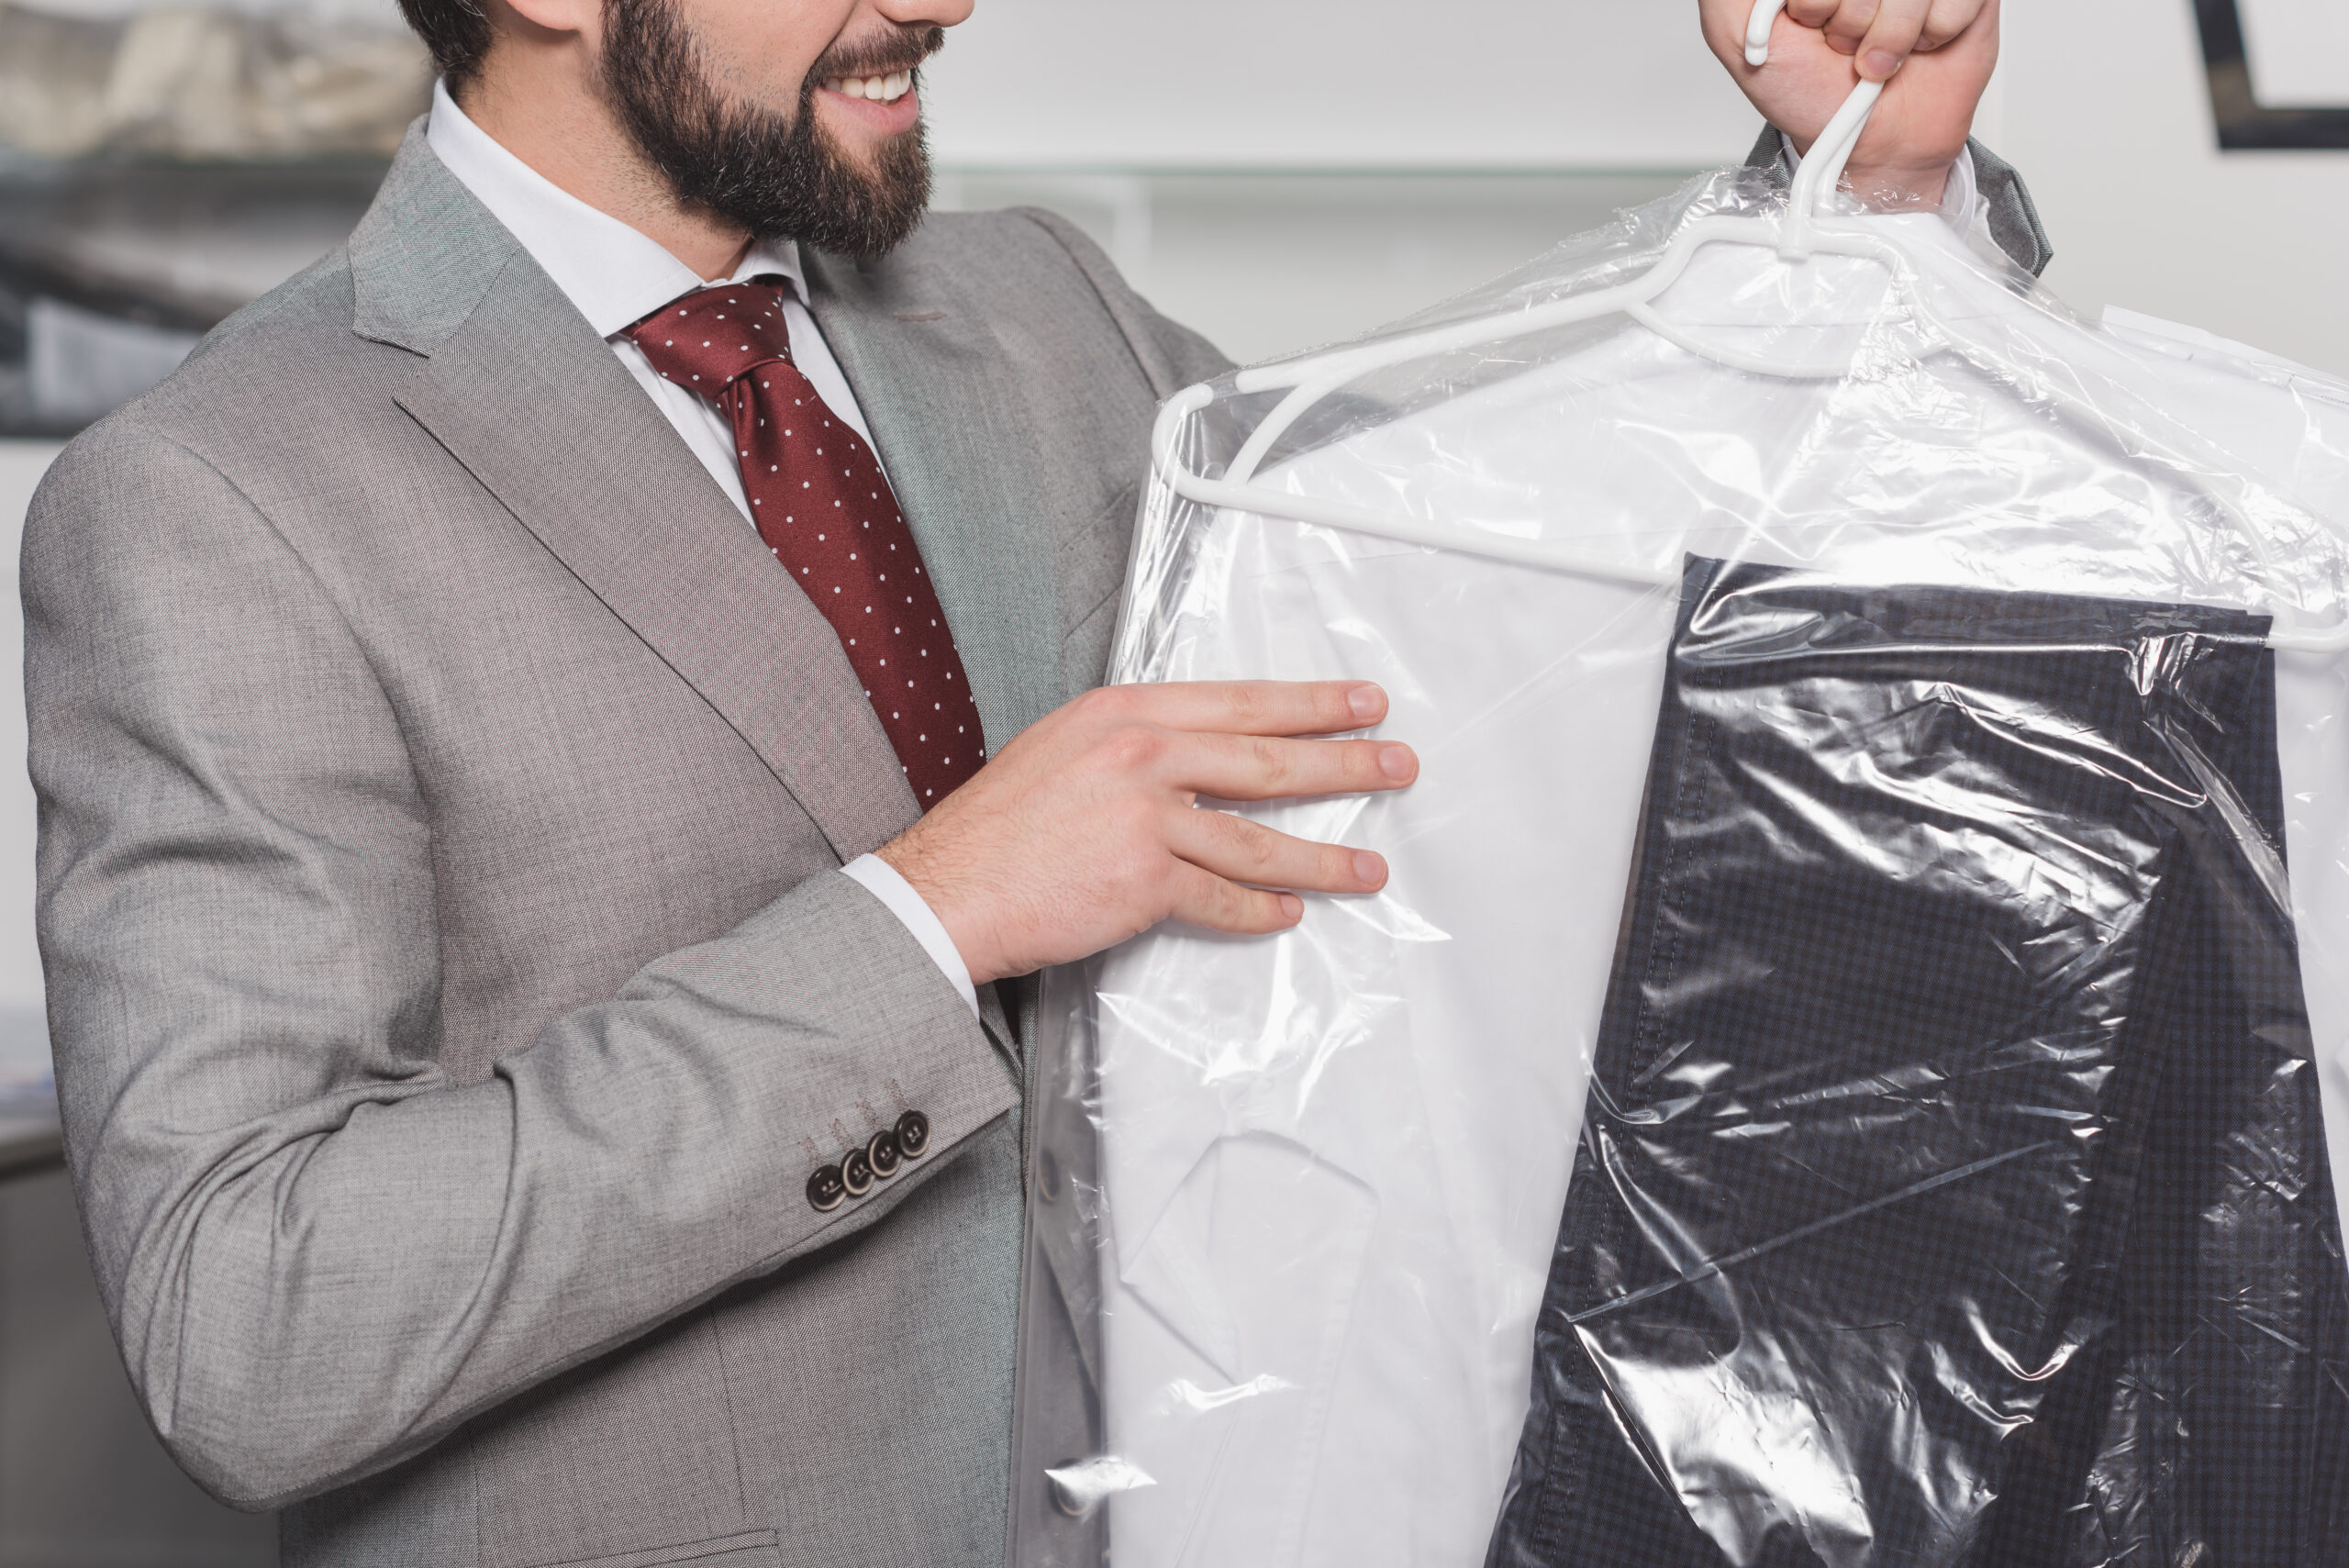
[780, 178]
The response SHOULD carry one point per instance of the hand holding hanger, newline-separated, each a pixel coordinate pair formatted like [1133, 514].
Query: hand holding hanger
[1935, 55]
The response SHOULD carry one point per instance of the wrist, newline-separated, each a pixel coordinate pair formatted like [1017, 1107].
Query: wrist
[912, 858]
[1893, 187]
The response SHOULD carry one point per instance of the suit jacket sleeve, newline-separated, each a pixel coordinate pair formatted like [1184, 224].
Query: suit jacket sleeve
[2013, 216]
[319, 1251]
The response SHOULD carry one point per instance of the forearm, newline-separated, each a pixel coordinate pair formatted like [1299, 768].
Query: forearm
[319, 1287]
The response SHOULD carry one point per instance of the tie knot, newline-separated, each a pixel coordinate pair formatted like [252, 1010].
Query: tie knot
[705, 340]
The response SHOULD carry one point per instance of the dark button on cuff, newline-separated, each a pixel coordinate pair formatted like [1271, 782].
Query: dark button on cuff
[856, 1174]
[826, 1192]
[913, 1134]
[883, 1154]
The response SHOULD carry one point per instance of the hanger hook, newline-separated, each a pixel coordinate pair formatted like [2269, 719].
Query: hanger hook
[1821, 171]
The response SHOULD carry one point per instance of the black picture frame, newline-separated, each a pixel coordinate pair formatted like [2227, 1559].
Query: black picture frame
[2245, 123]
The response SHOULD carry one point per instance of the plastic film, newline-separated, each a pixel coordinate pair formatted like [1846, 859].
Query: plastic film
[1841, 1071]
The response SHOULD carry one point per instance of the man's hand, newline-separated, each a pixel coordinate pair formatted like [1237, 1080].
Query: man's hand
[1936, 55]
[1083, 831]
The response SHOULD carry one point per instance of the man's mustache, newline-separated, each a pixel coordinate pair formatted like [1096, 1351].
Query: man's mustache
[879, 54]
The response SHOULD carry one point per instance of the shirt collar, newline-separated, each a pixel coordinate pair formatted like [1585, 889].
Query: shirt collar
[614, 274]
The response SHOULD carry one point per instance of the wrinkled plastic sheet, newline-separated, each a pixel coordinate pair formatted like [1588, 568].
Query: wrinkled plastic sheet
[1841, 1071]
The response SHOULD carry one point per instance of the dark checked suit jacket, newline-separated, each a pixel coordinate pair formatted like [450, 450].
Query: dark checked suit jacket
[440, 789]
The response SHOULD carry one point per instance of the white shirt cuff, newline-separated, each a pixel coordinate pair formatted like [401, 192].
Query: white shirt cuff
[879, 878]
[1959, 197]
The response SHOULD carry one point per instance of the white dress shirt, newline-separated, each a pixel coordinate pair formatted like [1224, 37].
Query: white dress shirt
[1333, 1162]
[617, 276]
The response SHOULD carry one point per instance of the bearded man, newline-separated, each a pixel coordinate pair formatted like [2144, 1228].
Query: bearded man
[557, 732]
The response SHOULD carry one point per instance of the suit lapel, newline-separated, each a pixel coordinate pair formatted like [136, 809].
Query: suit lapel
[942, 399]
[539, 411]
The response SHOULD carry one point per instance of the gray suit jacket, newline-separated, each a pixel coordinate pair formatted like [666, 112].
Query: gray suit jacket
[440, 791]
[439, 786]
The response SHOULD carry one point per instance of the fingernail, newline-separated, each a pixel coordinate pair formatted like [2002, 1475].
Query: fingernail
[1292, 907]
[1397, 762]
[1879, 64]
[1368, 701]
[1369, 869]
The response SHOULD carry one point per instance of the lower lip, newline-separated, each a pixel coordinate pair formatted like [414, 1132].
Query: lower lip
[897, 115]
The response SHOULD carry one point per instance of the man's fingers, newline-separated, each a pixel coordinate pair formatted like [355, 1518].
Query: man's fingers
[1892, 37]
[1238, 850]
[1203, 899]
[1851, 22]
[1948, 19]
[1246, 707]
[1813, 13]
[1261, 767]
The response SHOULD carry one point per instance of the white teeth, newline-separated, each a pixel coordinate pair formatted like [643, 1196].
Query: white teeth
[879, 89]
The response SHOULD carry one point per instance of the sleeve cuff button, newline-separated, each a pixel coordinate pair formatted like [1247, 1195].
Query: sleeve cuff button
[913, 1134]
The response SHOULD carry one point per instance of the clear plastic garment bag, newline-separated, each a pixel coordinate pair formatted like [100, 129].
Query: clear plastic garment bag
[1841, 1070]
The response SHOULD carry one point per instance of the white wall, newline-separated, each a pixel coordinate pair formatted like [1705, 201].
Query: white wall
[1315, 85]
[2111, 125]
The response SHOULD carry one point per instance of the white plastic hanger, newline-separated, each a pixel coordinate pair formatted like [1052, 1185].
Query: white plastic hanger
[1804, 231]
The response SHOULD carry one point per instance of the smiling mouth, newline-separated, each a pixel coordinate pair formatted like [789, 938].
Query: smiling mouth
[879, 89]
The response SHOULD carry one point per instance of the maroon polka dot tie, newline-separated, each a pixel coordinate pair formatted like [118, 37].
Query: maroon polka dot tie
[820, 503]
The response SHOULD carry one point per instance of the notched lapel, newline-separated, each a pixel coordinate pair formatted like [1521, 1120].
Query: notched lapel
[541, 413]
[950, 425]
